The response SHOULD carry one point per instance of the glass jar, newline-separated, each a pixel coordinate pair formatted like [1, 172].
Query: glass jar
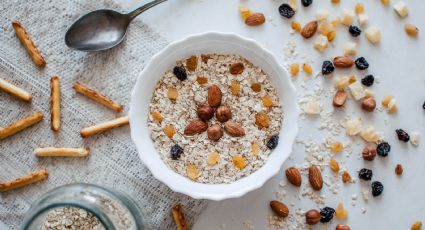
[114, 210]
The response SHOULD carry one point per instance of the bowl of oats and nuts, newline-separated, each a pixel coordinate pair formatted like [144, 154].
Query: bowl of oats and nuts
[213, 116]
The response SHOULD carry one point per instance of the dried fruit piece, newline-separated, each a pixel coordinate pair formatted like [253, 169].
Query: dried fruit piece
[255, 147]
[324, 28]
[321, 43]
[195, 127]
[368, 80]
[205, 58]
[377, 188]
[334, 166]
[214, 132]
[235, 87]
[176, 151]
[340, 211]
[401, 9]
[350, 49]
[279, 208]
[402, 135]
[370, 134]
[236, 68]
[365, 174]
[392, 106]
[214, 96]
[267, 101]
[223, 113]
[172, 93]
[262, 120]
[355, 31]
[385, 2]
[361, 63]
[312, 217]
[335, 22]
[339, 98]
[357, 90]
[294, 176]
[306, 3]
[411, 30]
[335, 1]
[234, 129]
[331, 35]
[202, 80]
[156, 116]
[180, 72]
[359, 8]
[398, 169]
[192, 172]
[272, 142]
[294, 69]
[351, 79]
[296, 26]
[239, 161]
[368, 104]
[244, 12]
[192, 63]
[205, 112]
[312, 107]
[416, 226]
[383, 149]
[255, 19]
[414, 138]
[347, 17]
[341, 82]
[386, 100]
[179, 220]
[322, 15]
[346, 177]
[169, 131]
[256, 87]
[309, 29]
[307, 69]
[373, 34]
[369, 153]
[213, 158]
[327, 67]
[315, 178]
[327, 214]
[343, 62]
[336, 147]
[286, 10]
[353, 126]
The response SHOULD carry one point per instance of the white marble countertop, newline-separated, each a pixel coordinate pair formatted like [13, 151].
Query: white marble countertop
[397, 60]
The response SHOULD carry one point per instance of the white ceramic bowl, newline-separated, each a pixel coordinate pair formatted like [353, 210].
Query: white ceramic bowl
[212, 42]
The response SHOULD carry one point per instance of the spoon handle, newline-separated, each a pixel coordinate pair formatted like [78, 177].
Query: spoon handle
[143, 8]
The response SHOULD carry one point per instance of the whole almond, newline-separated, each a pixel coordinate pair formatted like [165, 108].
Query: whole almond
[195, 127]
[234, 129]
[339, 98]
[255, 19]
[293, 176]
[315, 178]
[223, 113]
[214, 132]
[342, 227]
[205, 112]
[279, 208]
[312, 216]
[368, 104]
[309, 29]
[214, 96]
[343, 62]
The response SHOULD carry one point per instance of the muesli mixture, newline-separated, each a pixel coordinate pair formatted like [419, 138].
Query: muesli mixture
[215, 118]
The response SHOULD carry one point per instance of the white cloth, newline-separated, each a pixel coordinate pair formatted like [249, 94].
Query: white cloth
[113, 161]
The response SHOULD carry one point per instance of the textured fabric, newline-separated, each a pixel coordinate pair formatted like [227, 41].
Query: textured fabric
[113, 161]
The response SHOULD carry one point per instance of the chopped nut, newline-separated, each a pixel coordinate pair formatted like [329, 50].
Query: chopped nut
[363, 19]
[416, 226]
[411, 30]
[307, 69]
[369, 93]
[341, 82]
[156, 116]
[357, 90]
[341, 212]
[296, 26]
[373, 34]
[386, 100]
[350, 49]
[401, 9]
[321, 43]
[213, 158]
[353, 126]
[414, 138]
[359, 8]
[334, 166]
[312, 107]
[172, 93]
[244, 12]
[294, 69]
[392, 106]
[324, 28]
[239, 161]
[255, 147]
[322, 15]
[169, 131]
[368, 104]
[337, 147]
[256, 87]
[235, 87]
[202, 80]
[267, 101]
[370, 135]
[398, 169]
[262, 120]
[347, 17]
[192, 171]
[346, 177]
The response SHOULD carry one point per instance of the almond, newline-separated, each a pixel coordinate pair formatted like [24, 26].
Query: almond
[205, 112]
[214, 132]
[279, 208]
[255, 19]
[223, 113]
[368, 104]
[315, 178]
[309, 29]
[214, 96]
[195, 127]
[342, 227]
[234, 129]
[343, 62]
[340, 98]
[312, 216]
[293, 176]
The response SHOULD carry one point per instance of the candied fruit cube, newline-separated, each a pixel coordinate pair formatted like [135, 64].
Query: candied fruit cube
[373, 34]
[341, 82]
[172, 93]
[239, 161]
[169, 131]
[256, 87]
[347, 17]
[235, 87]
[192, 172]
[213, 158]
[262, 120]
[156, 116]
[267, 101]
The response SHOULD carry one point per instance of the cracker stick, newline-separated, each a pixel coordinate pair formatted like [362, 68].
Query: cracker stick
[55, 103]
[15, 91]
[28, 44]
[61, 152]
[94, 95]
[102, 127]
[20, 125]
[25, 180]
[179, 217]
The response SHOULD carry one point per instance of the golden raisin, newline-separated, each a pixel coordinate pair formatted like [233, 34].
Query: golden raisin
[156, 116]
[262, 120]
[244, 12]
[202, 80]
[346, 177]
[267, 101]
[235, 87]
[341, 212]
[213, 158]
[256, 87]
[351, 79]
[239, 161]
[192, 171]
[335, 22]
[172, 93]
[385, 2]
[296, 26]
[324, 28]
[169, 130]
[331, 35]
[334, 166]
[336, 147]
[307, 69]
[386, 100]
[335, 1]
[416, 226]
[255, 148]
[359, 8]
[192, 63]
[294, 69]
[399, 169]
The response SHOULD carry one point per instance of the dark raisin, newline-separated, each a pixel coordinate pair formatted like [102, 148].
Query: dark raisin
[176, 151]
[383, 149]
[368, 80]
[306, 2]
[361, 63]
[365, 174]
[377, 188]
[273, 141]
[327, 67]
[180, 72]
[423, 105]
[355, 31]
[402, 135]
[326, 214]
[286, 10]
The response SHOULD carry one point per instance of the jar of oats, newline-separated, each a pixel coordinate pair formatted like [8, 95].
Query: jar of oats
[84, 207]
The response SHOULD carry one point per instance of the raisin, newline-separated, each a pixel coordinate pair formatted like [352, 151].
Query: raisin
[368, 80]
[361, 63]
[327, 67]
[377, 188]
[180, 72]
[355, 31]
[383, 149]
[365, 174]
[286, 10]
[176, 151]
[423, 105]
[326, 214]
[402, 135]
[273, 141]
[306, 2]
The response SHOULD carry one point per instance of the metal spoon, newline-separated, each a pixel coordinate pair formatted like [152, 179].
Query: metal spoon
[102, 29]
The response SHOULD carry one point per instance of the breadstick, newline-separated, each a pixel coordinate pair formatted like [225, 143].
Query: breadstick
[55, 103]
[28, 44]
[102, 127]
[179, 217]
[25, 180]
[94, 95]
[61, 152]
[15, 91]
[20, 125]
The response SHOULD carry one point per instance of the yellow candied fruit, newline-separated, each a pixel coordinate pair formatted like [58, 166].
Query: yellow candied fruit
[385, 2]
[307, 69]
[255, 148]
[262, 120]
[235, 87]
[192, 171]
[341, 212]
[416, 226]
[239, 161]
[256, 87]
[202, 80]
[244, 12]
[331, 35]
[335, 1]
[386, 100]
[213, 158]
[351, 79]
[359, 8]
[335, 22]
[169, 131]
[296, 26]
[156, 116]
[336, 147]
[334, 166]
[294, 69]
[172, 93]
[267, 101]
[192, 63]
[346, 177]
